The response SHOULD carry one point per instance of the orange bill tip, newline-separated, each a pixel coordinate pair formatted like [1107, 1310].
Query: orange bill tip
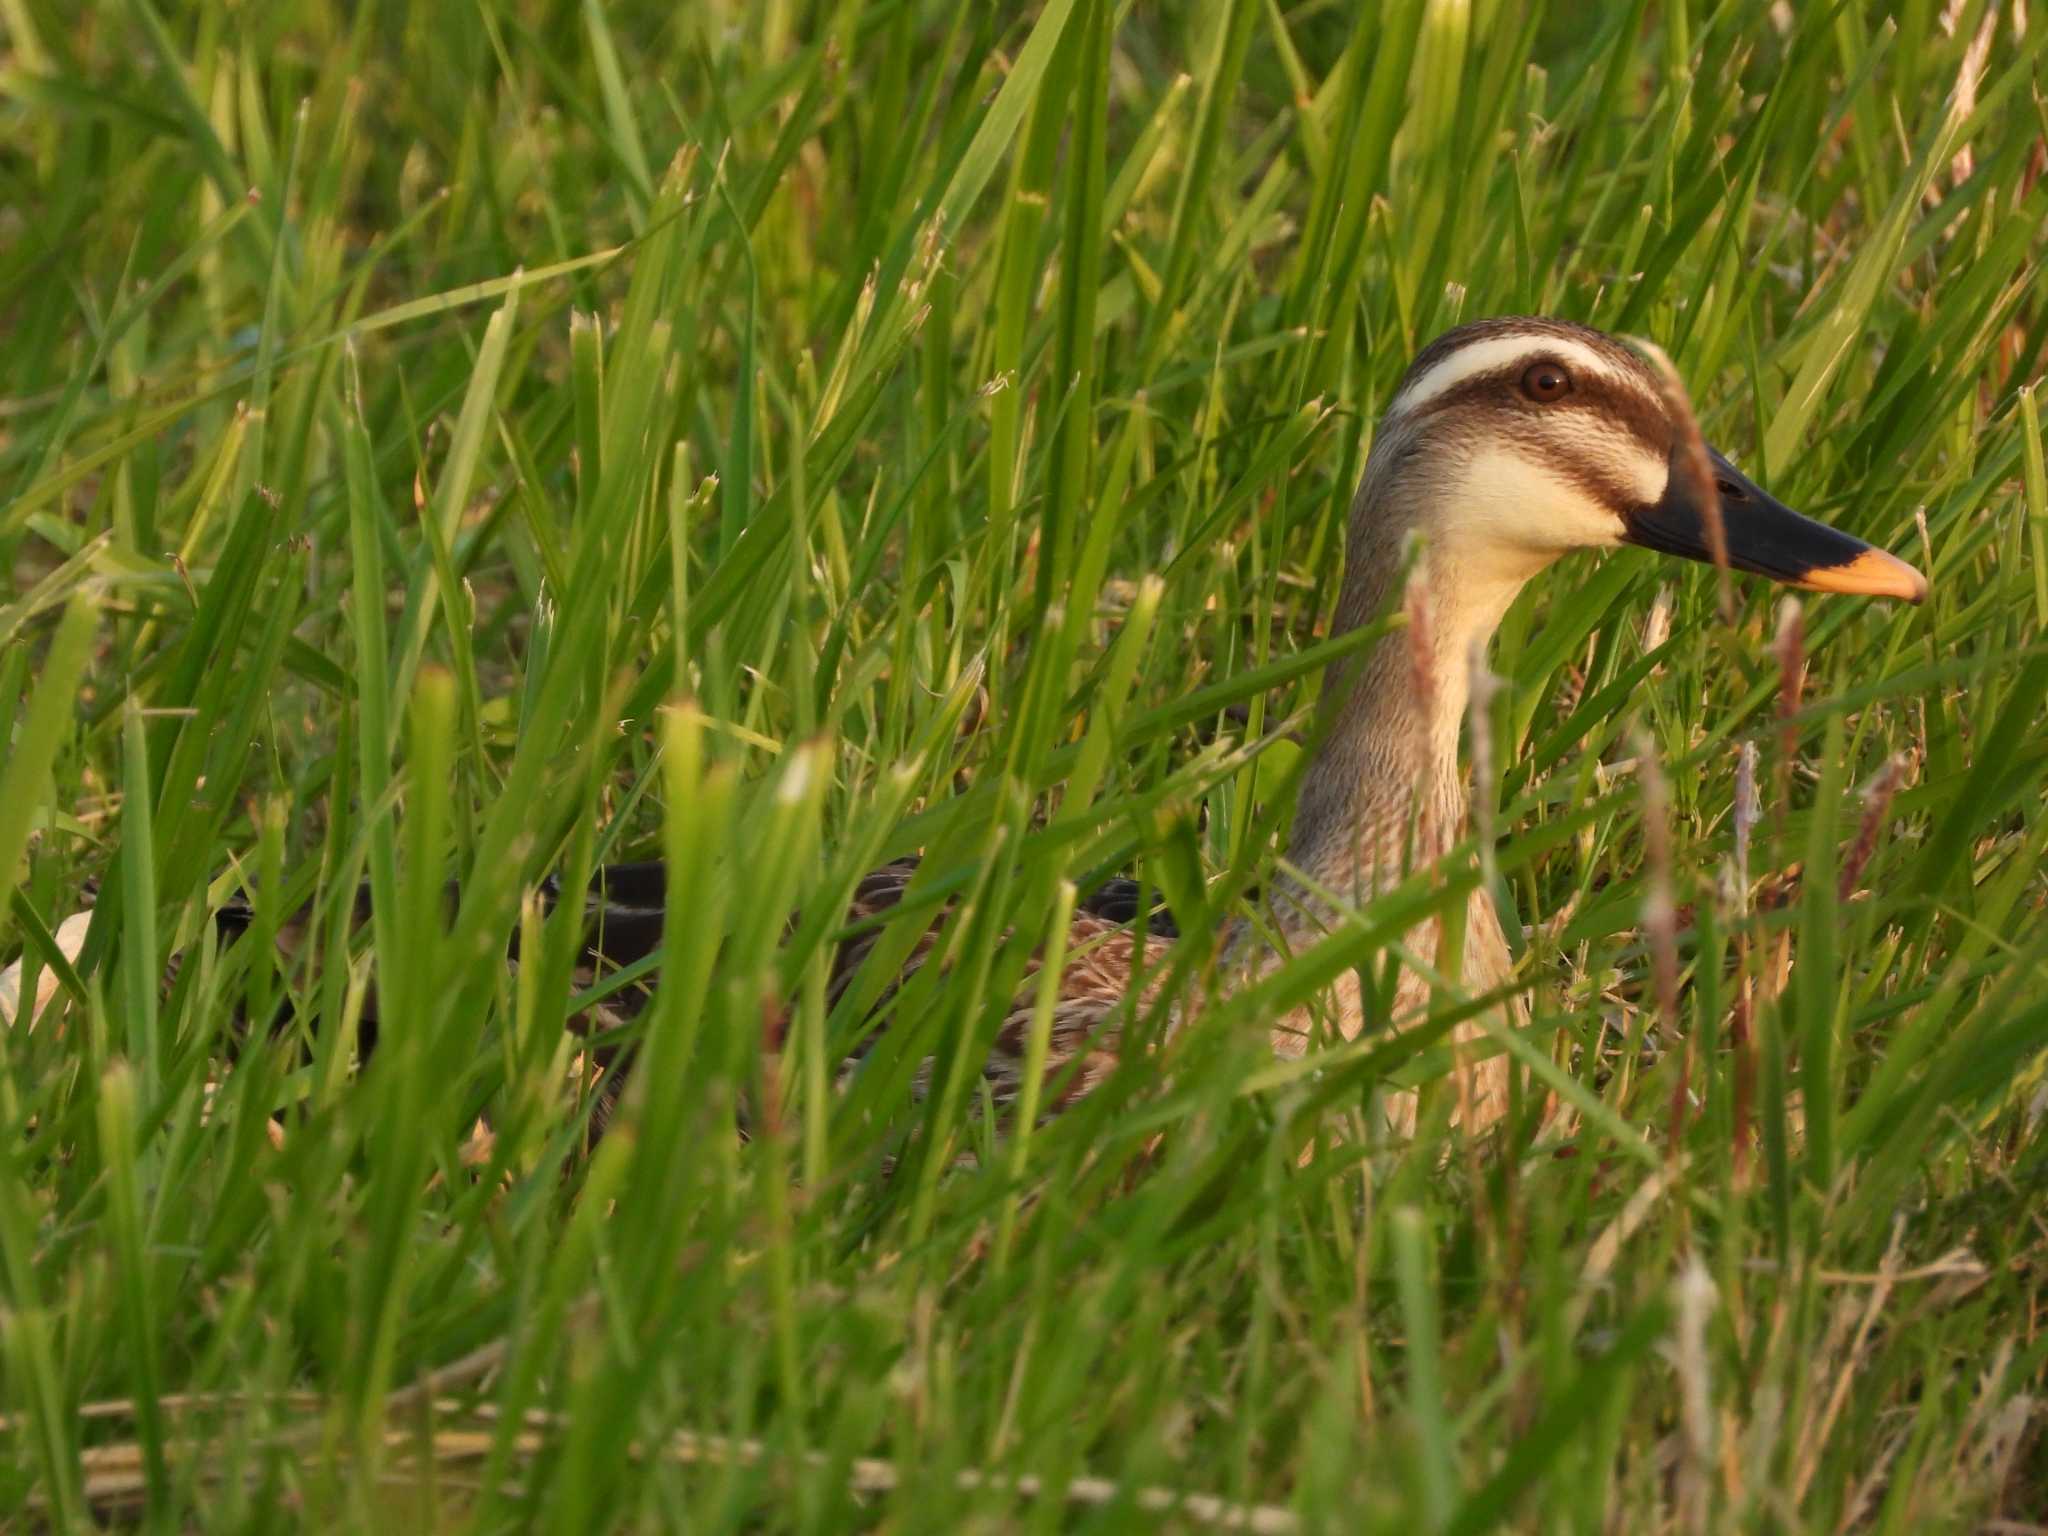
[1873, 573]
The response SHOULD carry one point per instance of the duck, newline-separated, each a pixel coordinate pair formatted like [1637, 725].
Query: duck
[1508, 444]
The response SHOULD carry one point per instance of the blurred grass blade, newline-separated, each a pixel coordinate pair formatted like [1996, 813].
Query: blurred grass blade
[25, 785]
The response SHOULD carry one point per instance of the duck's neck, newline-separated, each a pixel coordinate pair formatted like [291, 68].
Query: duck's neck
[1384, 792]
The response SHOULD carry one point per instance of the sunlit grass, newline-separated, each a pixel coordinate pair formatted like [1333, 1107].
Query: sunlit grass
[487, 441]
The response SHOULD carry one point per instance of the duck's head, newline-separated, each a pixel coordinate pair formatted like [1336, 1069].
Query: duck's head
[1510, 442]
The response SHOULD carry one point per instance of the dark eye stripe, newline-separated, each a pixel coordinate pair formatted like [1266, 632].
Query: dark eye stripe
[1641, 415]
[1609, 492]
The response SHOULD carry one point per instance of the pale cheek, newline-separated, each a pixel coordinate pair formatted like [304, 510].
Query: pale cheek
[1509, 501]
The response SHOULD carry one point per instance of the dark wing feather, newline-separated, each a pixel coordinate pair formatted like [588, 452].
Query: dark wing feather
[1117, 901]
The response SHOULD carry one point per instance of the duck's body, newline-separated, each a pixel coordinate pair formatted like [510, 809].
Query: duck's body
[1508, 444]
[625, 923]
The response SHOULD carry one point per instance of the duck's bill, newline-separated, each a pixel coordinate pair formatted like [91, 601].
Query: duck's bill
[1767, 537]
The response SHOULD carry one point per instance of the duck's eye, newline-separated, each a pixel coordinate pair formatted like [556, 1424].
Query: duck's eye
[1545, 382]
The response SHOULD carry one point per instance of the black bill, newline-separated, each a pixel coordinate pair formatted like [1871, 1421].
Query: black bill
[1766, 536]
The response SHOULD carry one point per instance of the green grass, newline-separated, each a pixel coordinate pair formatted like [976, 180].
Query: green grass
[488, 439]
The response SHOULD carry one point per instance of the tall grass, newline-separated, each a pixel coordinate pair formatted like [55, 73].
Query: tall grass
[483, 441]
